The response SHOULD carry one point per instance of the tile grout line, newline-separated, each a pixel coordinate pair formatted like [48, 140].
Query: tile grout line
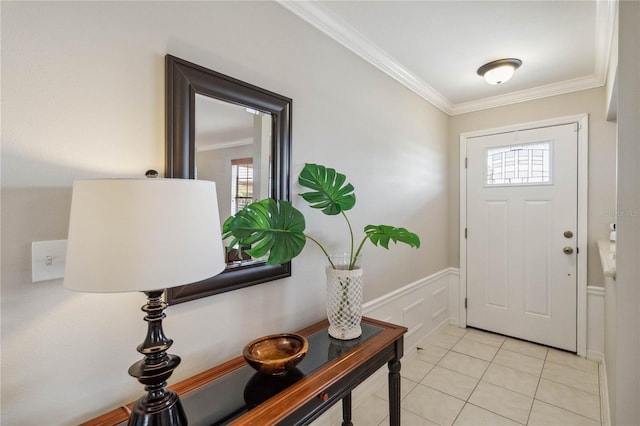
[573, 387]
[535, 393]
[600, 396]
[545, 360]
[438, 365]
[502, 387]
[434, 366]
[492, 363]
[466, 402]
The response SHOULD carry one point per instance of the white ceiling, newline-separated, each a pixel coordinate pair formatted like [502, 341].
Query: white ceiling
[435, 47]
[221, 124]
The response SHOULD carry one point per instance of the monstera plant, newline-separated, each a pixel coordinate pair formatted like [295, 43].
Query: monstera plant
[276, 228]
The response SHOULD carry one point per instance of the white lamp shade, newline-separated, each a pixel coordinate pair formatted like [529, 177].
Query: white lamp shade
[142, 234]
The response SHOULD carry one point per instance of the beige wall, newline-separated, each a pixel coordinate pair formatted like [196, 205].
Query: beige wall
[602, 160]
[83, 96]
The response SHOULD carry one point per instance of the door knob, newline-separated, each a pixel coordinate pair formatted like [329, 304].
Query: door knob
[568, 234]
[567, 250]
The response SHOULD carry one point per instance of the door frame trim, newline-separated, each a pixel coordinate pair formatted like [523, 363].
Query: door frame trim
[582, 120]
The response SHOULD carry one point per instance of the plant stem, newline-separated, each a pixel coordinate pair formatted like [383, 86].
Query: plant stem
[321, 248]
[352, 261]
[360, 246]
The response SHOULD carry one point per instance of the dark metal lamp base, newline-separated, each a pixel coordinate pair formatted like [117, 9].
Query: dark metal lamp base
[159, 407]
[165, 412]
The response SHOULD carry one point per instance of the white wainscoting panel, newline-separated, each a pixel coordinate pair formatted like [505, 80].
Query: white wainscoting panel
[454, 297]
[423, 306]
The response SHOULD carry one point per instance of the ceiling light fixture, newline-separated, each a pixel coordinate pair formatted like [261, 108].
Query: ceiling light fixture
[500, 71]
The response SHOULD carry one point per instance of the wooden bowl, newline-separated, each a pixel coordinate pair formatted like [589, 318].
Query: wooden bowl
[277, 353]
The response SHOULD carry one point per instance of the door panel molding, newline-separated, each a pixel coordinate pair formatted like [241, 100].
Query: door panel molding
[582, 121]
[537, 244]
[497, 214]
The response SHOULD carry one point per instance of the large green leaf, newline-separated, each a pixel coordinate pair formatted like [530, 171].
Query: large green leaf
[382, 234]
[268, 226]
[330, 193]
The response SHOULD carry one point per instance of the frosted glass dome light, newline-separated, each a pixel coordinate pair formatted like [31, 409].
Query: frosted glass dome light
[500, 71]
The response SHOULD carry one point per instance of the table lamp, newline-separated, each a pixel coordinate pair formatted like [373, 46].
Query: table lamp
[145, 235]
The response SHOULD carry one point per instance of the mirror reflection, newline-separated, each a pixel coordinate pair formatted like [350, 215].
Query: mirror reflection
[238, 135]
[233, 148]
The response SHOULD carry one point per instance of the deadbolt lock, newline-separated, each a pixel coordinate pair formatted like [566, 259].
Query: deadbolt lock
[568, 234]
[567, 250]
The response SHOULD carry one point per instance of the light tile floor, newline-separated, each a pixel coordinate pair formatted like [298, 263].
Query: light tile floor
[470, 377]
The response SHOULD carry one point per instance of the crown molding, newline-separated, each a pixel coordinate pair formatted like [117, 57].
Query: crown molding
[224, 145]
[318, 16]
[604, 36]
[539, 92]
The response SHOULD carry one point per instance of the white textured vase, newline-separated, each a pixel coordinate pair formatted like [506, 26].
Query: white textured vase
[344, 301]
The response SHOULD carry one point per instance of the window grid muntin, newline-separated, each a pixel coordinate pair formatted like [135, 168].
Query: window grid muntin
[242, 184]
[519, 164]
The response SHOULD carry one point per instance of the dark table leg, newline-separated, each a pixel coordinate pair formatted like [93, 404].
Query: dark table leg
[346, 410]
[394, 392]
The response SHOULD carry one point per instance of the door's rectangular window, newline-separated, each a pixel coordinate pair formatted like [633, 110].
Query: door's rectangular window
[523, 164]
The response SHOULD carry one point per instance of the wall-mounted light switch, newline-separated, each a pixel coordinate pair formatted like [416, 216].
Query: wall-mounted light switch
[48, 259]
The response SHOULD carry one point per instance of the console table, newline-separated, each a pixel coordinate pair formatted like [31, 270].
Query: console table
[233, 393]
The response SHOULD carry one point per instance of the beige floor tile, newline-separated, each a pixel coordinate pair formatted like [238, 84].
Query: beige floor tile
[519, 362]
[572, 399]
[525, 348]
[464, 364]
[406, 386]
[475, 349]
[454, 331]
[431, 354]
[570, 360]
[543, 414]
[407, 418]
[450, 382]
[484, 337]
[453, 367]
[371, 411]
[476, 416]
[502, 401]
[517, 381]
[415, 369]
[433, 405]
[444, 340]
[579, 379]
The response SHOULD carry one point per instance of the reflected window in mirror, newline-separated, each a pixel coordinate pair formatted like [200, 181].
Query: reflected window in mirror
[241, 184]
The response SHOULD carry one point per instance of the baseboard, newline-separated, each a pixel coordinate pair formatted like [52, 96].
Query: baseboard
[595, 345]
[605, 409]
[595, 355]
[595, 323]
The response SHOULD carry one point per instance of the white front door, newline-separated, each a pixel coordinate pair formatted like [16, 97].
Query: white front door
[522, 218]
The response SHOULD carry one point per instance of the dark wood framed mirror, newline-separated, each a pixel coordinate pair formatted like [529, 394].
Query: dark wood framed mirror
[249, 131]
